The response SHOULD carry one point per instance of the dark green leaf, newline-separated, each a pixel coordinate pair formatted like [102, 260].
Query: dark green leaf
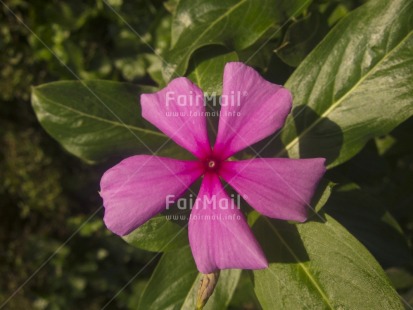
[175, 281]
[370, 223]
[301, 37]
[234, 24]
[355, 85]
[96, 119]
[207, 68]
[292, 8]
[159, 235]
[319, 265]
[244, 296]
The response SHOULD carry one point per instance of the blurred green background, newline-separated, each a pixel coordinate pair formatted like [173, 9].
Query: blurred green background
[45, 193]
[52, 238]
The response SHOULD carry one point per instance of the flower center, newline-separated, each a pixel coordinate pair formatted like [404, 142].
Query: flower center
[211, 164]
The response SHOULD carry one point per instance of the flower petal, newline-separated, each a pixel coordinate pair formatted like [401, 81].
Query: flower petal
[251, 109]
[178, 111]
[219, 236]
[280, 188]
[136, 189]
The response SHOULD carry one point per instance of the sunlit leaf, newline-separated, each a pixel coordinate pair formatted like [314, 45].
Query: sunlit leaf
[234, 24]
[355, 85]
[96, 119]
[319, 265]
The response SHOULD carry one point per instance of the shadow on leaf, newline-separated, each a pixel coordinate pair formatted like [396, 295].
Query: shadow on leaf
[280, 241]
[323, 140]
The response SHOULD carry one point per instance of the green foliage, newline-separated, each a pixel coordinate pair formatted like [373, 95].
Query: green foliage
[301, 37]
[174, 284]
[159, 234]
[206, 70]
[353, 87]
[234, 24]
[352, 104]
[47, 196]
[375, 227]
[93, 118]
[311, 258]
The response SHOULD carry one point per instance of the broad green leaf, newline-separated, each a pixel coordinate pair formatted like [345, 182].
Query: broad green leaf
[170, 282]
[96, 119]
[244, 296]
[367, 219]
[319, 265]
[355, 85]
[207, 68]
[234, 24]
[159, 235]
[301, 37]
[290, 9]
[174, 284]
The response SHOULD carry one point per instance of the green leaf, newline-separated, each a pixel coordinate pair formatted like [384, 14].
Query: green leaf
[244, 296]
[319, 265]
[96, 119]
[234, 24]
[321, 196]
[367, 219]
[290, 9]
[301, 37]
[174, 284]
[207, 69]
[355, 85]
[159, 235]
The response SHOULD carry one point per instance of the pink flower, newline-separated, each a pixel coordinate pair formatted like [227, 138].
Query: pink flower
[136, 189]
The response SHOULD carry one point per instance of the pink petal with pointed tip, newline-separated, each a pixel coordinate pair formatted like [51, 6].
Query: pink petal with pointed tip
[280, 188]
[178, 111]
[219, 236]
[136, 189]
[253, 110]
